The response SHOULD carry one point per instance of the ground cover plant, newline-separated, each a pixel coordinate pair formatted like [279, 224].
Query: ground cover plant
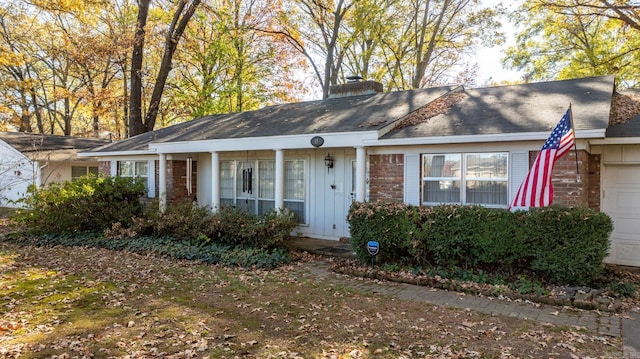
[100, 303]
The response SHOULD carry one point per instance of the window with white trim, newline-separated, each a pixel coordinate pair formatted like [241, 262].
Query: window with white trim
[133, 169]
[139, 169]
[465, 178]
[250, 185]
[81, 171]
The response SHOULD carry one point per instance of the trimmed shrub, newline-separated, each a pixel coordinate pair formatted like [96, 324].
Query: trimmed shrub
[567, 245]
[557, 245]
[452, 235]
[392, 225]
[498, 242]
[235, 226]
[85, 204]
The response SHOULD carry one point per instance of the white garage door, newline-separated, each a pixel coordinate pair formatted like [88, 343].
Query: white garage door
[621, 201]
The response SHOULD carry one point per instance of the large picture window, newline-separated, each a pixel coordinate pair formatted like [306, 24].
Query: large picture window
[250, 185]
[465, 178]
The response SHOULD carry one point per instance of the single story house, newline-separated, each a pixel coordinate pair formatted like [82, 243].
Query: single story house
[27, 158]
[423, 147]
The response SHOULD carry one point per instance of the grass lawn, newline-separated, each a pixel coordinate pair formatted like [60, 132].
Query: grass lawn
[81, 303]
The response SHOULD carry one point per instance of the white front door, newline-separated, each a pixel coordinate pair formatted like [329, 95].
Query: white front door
[334, 191]
[621, 201]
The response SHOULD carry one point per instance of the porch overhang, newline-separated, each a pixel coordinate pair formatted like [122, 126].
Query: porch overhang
[331, 140]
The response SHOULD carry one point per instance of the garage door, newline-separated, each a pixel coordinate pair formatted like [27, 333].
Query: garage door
[621, 201]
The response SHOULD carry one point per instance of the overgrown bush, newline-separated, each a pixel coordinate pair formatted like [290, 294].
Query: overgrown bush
[85, 204]
[182, 220]
[558, 245]
[228, 225]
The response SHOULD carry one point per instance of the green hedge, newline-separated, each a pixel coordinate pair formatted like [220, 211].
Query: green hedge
[558, 245]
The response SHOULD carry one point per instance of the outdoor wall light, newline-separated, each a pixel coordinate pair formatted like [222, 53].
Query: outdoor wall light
[328, 161]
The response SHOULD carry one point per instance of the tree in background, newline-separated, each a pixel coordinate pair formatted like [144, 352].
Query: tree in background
[16, 68]
[318, 29]
[577, 38]
[403, 43]
[96, 67]
[230, 62]
[181, 16]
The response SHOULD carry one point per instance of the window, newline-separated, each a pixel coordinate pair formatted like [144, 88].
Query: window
[465, 178]
[294, 188]
[80, 171]
[251, 186]
[133, 169]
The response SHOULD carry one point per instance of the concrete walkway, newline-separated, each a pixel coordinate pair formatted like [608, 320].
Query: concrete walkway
[626, 325]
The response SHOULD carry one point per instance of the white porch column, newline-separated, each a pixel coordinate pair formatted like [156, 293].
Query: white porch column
[162, 179]
[361, 165]
[279, 185]
[215, 181]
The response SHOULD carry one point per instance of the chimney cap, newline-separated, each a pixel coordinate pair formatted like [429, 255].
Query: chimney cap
[354, 78]
[355, 88]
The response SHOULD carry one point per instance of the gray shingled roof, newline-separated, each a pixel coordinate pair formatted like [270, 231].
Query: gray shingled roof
[527, 108]
[344, 114]
[535, 107]
[630, 128]
[31, 142]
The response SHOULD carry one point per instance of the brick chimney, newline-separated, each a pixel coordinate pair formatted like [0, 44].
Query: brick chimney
[355, 87]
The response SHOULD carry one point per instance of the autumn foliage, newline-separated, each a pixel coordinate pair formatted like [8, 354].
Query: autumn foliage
[557, 245]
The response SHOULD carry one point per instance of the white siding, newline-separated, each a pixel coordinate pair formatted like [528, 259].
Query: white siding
[17, 172]
[620, 199]
[519, 170]
[412, 179]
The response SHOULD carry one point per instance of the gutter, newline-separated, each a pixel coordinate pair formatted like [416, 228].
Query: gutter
[502, 137]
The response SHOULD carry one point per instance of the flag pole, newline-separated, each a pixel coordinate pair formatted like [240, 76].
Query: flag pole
[575, 147]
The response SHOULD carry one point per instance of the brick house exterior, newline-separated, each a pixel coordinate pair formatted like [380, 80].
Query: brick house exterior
[571, 189]
[378, 143]
[176, 179]
[386, 173]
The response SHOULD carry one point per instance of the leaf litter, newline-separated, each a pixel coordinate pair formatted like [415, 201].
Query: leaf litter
[83, 303]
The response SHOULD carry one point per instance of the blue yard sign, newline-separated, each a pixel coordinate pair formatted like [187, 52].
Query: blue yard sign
[373, 247]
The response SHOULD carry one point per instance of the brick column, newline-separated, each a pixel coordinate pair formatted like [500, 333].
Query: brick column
[386, 177]
[177, 181]
[575, 186]
[104, 168]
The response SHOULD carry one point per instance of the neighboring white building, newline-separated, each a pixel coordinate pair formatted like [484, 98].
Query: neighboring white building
[421, 147]
[27, 159]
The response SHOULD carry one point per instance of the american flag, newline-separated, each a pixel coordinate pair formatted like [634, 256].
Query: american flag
[536, 189]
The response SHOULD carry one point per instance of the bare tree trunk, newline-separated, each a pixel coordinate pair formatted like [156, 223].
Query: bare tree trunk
[135, 99]
[179, 23]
